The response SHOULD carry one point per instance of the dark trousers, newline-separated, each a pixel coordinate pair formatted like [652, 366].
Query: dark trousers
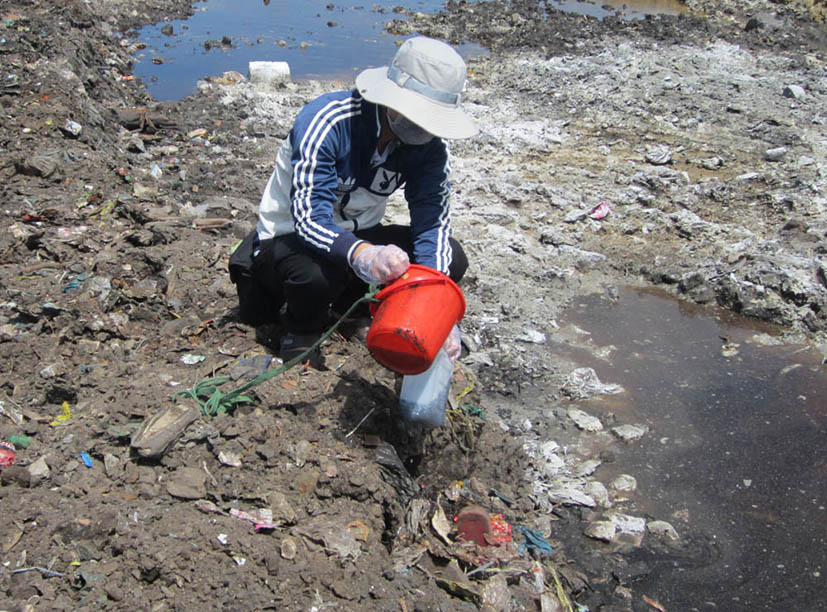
[285, 272]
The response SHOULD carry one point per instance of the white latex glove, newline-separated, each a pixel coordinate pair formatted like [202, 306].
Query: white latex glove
[380, 263]
[453, 344]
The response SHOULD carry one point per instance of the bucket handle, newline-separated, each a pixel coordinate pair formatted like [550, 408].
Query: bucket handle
[417, 283]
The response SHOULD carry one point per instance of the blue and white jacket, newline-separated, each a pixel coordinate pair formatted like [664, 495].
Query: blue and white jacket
[325, 186]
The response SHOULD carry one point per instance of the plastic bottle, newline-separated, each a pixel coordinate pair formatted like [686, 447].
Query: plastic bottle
[423, 396]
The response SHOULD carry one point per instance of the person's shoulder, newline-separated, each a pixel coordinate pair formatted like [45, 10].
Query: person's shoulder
[333, 102]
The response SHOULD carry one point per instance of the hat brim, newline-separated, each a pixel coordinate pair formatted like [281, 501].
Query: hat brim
[439, 119]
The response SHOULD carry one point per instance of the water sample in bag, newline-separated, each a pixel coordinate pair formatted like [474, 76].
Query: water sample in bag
[423, 396]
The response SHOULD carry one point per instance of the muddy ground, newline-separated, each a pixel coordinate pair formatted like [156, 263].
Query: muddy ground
[705, 134]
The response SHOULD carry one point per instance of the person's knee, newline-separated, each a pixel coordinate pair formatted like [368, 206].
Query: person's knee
[459, 261]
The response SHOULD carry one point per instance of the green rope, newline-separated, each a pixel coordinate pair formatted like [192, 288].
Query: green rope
[212, 401]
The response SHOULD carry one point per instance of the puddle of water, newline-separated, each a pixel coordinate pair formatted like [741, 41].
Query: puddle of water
[737, 444]
[338, 41]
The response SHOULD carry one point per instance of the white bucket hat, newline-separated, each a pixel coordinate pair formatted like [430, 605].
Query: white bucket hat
[424, 83]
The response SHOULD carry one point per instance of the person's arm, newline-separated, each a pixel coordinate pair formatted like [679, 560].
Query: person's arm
[321, 136]
[427, 191]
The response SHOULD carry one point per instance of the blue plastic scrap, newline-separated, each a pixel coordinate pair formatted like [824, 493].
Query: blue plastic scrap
[534, 540]
[87, 460]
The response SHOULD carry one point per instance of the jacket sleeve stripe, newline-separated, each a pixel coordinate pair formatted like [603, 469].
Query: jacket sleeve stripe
[444, 254]
[305, 172]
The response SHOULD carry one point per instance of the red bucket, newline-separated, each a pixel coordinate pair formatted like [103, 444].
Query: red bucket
[413, 318]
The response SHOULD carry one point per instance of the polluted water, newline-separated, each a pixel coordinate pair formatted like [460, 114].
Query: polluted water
[318, 39]
[736, 454]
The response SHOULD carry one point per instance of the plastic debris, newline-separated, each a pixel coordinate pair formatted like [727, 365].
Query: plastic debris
[473, 524]
[159, 432]
[190, 359]
[653, 603]
[7, 455]
[600, 211]
[223, 538]
[19, 440]
[583, 383]
[87, 460]
[75, 282]
[262, 518]
[13, 414]
[500, 530]
[534, 540]
[65, 415]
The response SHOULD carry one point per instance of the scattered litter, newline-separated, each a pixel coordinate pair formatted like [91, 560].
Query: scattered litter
[7, 454]
[473, 524]
[158, 433]
[441, 525]
[252, 367]
[223, 538]
[239, 560]
[65, 415]
[659, 155]
[654, 603]
[190, 359]
[13, 414]
[583, 383]
[19, 440]
[87, 460]
[600, 211]
[500, 530]
[42, 570]
[359, 530]
[262, 518]
[534, 540]
[229, 458]
[75, 282]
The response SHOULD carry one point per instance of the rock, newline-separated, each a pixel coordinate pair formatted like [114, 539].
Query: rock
[496, 596]
[289, 548]
[587, 467]
[601, 530]
[112, 466]
[571, 496]
[796, 92]
[598, 491]
[662, 529]
[753, 24]
[533, 336]
[282, 510]
[630, 433]
[584, 421]
[659, 155]
[628, 524]
[624, 483]
[38, 470]
[776, 154]
[187, 483]
[582, 383]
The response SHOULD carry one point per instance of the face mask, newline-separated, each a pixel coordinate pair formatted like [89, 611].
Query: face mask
[408, 132]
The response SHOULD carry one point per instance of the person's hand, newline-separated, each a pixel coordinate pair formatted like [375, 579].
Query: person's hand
[380, 264]
[453, 344]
